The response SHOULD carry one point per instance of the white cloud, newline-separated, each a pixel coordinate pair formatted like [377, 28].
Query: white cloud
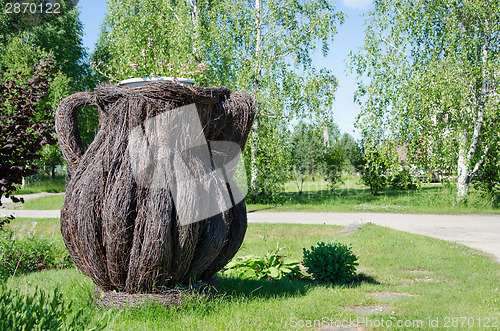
[357, 4]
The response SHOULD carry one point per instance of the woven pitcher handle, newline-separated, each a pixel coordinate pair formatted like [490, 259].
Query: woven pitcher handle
[67, 132]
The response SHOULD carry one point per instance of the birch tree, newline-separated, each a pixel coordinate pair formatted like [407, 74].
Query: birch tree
[266, 48]
[276, 62]
[428, 77]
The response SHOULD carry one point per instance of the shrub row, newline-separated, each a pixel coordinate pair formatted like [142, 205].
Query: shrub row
[28, 253]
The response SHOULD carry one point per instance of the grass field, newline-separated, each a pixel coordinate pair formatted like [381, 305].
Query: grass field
[432, 198]
[44, 184]
[48, 227]
[46, 203]
[353, 196]
[435, 280]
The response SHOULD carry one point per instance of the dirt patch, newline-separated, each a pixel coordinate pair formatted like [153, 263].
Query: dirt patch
[370, 310]
[424, 280]
[389, 296]
[352, 227]
[419, 272]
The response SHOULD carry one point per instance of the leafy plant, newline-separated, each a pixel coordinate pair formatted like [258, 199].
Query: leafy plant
[331, 262]
[270, 266]
[39, 311]
[28, 253]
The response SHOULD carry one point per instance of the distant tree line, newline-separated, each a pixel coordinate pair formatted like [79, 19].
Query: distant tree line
[318, 151]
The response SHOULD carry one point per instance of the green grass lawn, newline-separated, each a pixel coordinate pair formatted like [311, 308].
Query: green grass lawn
[438, 279]
[48, 227]
[352, 196]
[431, 199]
[44, 184]
[52, 202]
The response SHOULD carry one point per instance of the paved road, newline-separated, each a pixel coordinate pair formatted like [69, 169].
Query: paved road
[21, 213]
[477, 231]
[10, 208]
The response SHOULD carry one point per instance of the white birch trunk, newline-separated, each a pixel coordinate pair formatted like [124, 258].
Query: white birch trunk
[463, 167]
[254, 151]
[255, 126]
[195, 16]
[465, 157]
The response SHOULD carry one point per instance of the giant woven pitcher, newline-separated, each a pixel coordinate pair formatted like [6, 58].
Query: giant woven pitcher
[123, 230]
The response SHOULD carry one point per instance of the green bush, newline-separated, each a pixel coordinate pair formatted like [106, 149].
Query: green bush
[331, 262]
[271, 266]
[404, 180]
[375, 172]
[28, 253]
[39, 311]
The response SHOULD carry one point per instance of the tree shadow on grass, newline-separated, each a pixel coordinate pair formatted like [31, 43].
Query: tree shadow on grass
[364, 278]
[238, 287]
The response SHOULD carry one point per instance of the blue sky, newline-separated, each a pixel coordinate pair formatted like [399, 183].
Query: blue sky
[350, 37]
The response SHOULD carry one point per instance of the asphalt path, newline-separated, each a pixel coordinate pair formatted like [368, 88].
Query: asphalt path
[476, 231]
